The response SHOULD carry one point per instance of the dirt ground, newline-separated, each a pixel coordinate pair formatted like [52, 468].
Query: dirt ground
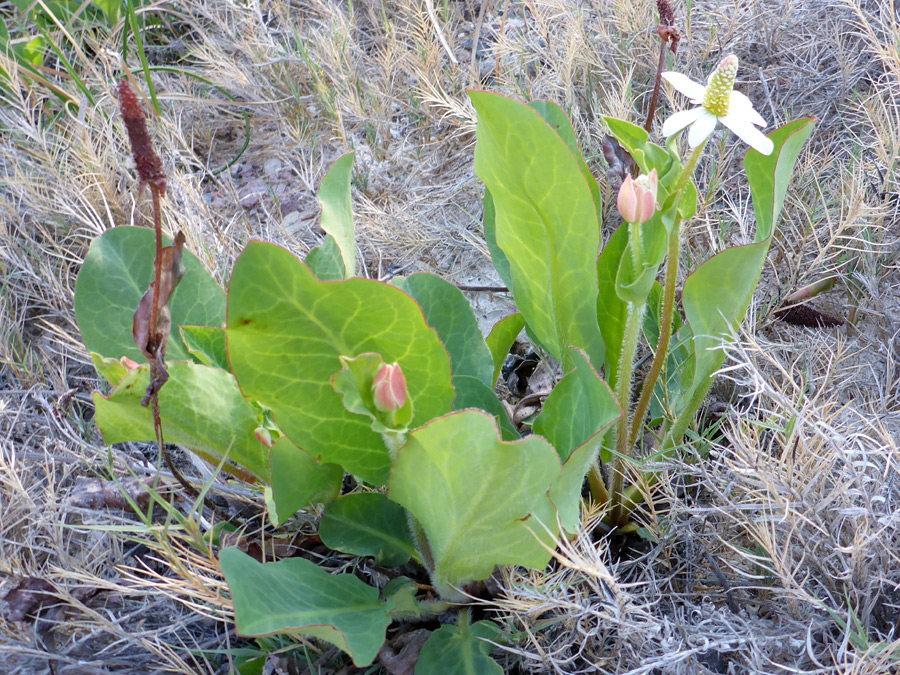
[780, 554]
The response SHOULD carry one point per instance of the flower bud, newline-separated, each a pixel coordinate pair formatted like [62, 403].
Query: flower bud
[389, 388]
[637, 198]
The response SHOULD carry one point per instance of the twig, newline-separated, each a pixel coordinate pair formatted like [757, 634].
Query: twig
[429, 6]
[472, 68]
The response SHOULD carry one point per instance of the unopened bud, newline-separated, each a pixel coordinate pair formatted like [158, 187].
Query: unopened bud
[637, 198]
[389, 388]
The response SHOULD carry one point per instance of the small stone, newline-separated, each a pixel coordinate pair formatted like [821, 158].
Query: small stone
[272, 166]
[251, 193]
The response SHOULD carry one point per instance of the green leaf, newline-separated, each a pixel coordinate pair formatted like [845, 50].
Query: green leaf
[501, 263]
[368, 524]
[717, 294]
[206, 345]
[337, 211]
[450, 314]
[460, 650]
[556, 117]
[472, 393]
[579, 407]
[325, 261]
[770, 175]
[546, 223]
[635, 285]
[117, 271]
[298, 481]
[501, 339]
[295, 595]
[612, 311]
[201, 409]
[286, 333]
[473, 495]
[575, 417]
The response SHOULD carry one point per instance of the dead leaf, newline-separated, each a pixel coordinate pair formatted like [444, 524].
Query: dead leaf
[619, 160]
[28, 598]
[96, 493]
[171, 272]
[400, 655]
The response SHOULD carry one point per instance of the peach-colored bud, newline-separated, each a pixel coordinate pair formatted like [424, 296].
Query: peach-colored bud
[389, 388]
[637, 198]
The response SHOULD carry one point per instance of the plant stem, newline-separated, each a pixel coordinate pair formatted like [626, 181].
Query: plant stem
[655, 98]
[157, 265]
[623, 393]
[668, 309]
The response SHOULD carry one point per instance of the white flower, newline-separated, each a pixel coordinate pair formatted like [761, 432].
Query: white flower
[717, 101]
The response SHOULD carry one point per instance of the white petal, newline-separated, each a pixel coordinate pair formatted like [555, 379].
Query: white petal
[685, 85]
[742, 103]
[748, 133]
[680, 120]
[702, 128]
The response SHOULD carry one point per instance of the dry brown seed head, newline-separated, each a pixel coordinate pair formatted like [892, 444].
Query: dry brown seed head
[149, 166]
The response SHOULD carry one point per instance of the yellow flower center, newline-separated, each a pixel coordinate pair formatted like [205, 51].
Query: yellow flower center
[721, 82]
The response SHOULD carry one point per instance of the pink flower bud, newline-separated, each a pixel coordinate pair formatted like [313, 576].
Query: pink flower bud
[637, 198]
[389, 388]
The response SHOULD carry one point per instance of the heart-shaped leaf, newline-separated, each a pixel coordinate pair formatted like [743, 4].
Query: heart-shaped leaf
[295, 595]
[286, 333]
[117, 271]
[473, 495]
[472, 393]
[546, 223]
[368, 524]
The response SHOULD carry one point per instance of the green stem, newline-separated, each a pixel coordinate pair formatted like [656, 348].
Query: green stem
[637, 246]
[665, 328]
[623, 393]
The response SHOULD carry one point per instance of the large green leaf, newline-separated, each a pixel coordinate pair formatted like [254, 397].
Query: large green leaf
[717, 294]
[460, 650]
[286, 333]
[575, 417]
[337, 211]
[201, 408]
[473, 495]
[546, 223]
[368, 523]
[450, 314]
[770, 175]
[298, 480]
[501, 339]
[295, 595]
[116, 273]
[556, 117]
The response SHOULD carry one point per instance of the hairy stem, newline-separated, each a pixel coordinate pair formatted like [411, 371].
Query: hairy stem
[623, 393]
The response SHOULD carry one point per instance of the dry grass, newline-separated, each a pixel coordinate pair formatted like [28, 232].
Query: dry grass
[779, 555]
